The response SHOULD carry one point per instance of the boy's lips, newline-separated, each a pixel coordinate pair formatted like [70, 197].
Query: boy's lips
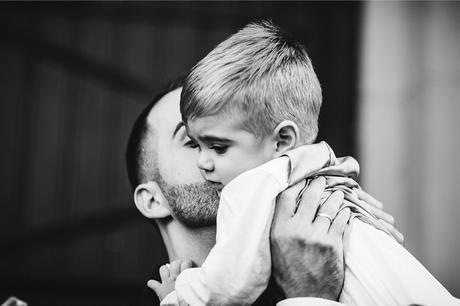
[216, 185]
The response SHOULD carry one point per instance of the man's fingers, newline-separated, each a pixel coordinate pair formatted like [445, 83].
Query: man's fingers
[340, 222]
[394, 232]
[368, 198]
[186, 264]
[374, 206]
[380, 214]
[370, 203]
[164, 272]
[311, 199]
[328, 211]
[286, 203]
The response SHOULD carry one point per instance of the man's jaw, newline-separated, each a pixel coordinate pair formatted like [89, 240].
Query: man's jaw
[194, 205]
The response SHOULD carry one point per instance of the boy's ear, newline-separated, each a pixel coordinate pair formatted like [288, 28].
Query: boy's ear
[150, 201]
[286, 136]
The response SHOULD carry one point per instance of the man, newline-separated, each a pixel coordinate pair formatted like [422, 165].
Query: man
[170, 191]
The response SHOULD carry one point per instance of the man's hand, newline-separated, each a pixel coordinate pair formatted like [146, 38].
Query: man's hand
[307, 248]
[376, 207]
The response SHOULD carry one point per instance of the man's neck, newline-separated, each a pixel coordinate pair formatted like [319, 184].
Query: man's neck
[184, 242]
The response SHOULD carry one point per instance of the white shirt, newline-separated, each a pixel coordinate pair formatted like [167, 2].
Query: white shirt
[378, 270]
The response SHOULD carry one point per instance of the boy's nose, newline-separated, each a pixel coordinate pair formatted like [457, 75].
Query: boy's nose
[205, 162]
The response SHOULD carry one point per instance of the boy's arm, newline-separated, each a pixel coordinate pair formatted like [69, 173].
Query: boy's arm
[320, 267]
[238, 267]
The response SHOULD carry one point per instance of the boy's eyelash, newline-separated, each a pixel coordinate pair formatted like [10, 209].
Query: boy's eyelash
[219, 149]
[191, 144]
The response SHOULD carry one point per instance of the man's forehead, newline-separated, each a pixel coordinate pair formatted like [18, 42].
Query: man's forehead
[165, 114]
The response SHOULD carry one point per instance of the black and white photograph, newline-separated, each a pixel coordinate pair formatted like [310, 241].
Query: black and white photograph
[260, 153]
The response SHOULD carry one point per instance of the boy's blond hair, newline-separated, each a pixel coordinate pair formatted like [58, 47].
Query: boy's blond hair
[261, 77]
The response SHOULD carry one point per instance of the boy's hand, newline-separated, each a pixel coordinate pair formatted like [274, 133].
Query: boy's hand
[168, 275]
[14, 301]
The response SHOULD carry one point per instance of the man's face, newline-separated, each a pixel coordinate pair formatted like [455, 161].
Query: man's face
[192, 200]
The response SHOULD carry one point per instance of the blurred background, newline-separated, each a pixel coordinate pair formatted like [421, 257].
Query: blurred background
[73, 78]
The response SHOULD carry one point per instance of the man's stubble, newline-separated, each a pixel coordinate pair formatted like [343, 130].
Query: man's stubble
[194, 205]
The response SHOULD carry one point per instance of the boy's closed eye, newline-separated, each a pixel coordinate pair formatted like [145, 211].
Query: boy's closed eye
[191, 144]
[219, 149]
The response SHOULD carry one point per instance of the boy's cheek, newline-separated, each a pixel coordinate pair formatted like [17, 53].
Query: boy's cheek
[233, 171]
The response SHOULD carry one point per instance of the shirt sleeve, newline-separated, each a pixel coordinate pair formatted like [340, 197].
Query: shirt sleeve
[380, 271]
[170, 300]
[308, 301]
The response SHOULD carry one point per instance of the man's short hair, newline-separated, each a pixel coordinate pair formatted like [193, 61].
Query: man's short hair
[259, 75]
[140, 156]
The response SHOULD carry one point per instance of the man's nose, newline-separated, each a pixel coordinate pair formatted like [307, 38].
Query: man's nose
[205, 162]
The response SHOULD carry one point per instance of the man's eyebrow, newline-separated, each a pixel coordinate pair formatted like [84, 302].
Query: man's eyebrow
[209, 138]
[178, 127]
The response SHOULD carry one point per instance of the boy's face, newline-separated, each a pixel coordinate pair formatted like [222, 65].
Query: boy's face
[226, 150]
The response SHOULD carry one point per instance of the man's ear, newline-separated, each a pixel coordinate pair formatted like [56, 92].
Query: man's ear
[286, 136]
[150, 201]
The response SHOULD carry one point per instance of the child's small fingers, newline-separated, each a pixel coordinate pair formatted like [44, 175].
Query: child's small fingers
[174, 268]
[186, 264]
[164, 272]
[153, 284]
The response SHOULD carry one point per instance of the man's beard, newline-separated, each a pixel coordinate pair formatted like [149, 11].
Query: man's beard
[194, 205]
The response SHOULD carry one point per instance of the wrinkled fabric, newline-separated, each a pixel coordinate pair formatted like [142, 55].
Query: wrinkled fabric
[380, 271]
[238, 267]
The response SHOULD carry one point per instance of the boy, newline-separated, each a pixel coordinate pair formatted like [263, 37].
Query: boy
[251, 106]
